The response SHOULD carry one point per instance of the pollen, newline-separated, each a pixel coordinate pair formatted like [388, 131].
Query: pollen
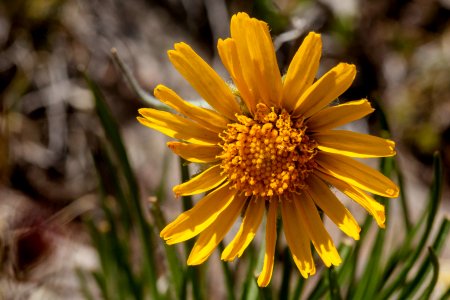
[268, 154]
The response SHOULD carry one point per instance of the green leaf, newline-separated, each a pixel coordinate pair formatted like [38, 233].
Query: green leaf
[403, 198]
[194, 274]
[287, 271]
[100, 280]
[228, 275]
[251, 290]
[249, 277]
[110, 183]
[176, 266]
[298, 289]
[112, 132]
[424, 269]
[334, 289]
[343, 271]
[354, 258]
[367, 285]
[320, 288]
[133, 83]
[434, 261]
[433, 203]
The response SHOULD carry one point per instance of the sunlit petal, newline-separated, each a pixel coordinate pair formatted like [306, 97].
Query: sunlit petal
[335, 116]
[357, 174]
[302, 70]
[195, 153]
[320, 238]
[257, 57]
[204, 79]
[213, 235]
[332, 207]
[192, 222]
[205, 117]
[368, 203]
[177, 127]
[354, 144]
[247, 231]
[230, 59]
[297, 238]
[271, 239]
[205, 181]
[326, 89]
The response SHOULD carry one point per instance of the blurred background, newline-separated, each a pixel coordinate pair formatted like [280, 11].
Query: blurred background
[50, 132]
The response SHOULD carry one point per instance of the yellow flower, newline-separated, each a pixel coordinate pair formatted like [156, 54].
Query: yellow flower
[269, 145]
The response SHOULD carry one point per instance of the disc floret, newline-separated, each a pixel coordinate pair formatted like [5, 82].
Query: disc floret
[268, 154]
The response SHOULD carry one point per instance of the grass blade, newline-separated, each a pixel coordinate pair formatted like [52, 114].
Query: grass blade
[134, 85]
[298, 288]
[353, 259]
[145, 233]
[434, 200]
[335, 293]
[403, 201]
[438, 243]
[194, 274]
[287, 271]
[228, 275]
[371, 275]
[176, 267]
[435, 263]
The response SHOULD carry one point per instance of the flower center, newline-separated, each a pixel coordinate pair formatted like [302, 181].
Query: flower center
[268, 155]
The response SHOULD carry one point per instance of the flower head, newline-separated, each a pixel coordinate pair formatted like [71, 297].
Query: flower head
[270, 146]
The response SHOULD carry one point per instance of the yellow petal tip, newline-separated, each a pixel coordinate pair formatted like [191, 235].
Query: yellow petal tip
[314, 35]
[193, 261]
[393, 193]
[227, 258]
[263, 283]
[171, 53]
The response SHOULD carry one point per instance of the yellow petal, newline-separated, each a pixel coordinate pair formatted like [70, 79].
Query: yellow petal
[205, 181]
[192, 222]
[368, 203]
[302, 70]
[332, 207]
[204, 80]
[177, 127]
[230, 59]
[297, 238]
[247, 230]
[271, 238]
[195, 153]
[354, 144]
[257, 57]
[335, 116]
[357, 174]
[326, 89]
[205, 117]
[213, 235]
[320, 238]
